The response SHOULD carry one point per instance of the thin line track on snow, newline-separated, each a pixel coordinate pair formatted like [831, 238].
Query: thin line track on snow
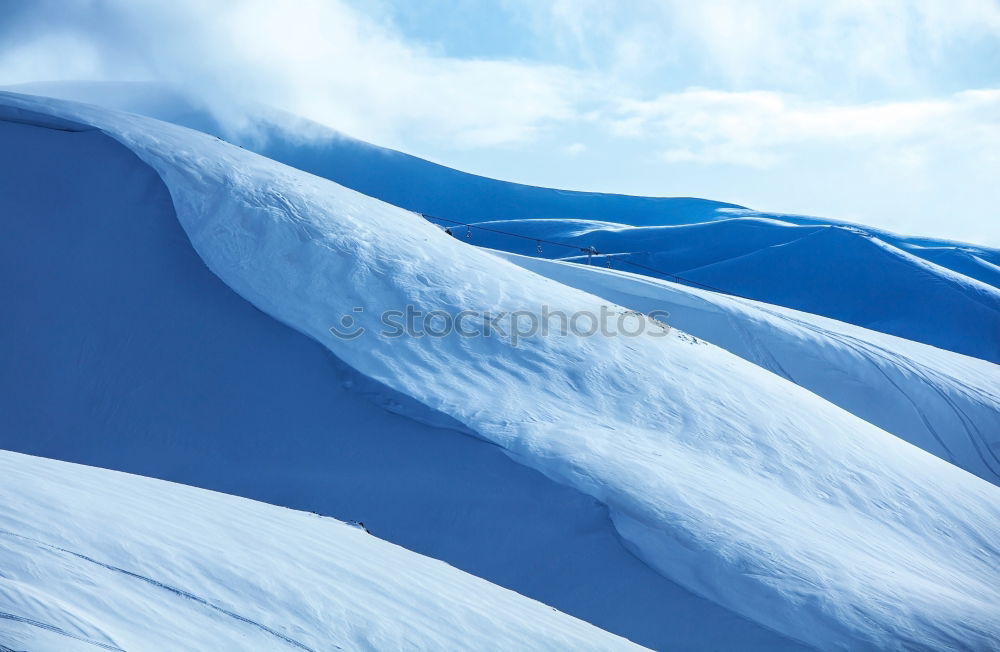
[52, 628]
[172, 589]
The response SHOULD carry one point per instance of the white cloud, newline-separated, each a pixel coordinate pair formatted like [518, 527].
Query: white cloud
[330, 62]
[762, 128]
[850, 48]
[321, 59]
[762, 102]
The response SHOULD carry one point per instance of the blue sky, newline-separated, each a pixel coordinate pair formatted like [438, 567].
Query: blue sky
[882, 112]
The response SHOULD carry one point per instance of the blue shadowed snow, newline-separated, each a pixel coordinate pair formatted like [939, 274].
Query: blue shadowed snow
[128, 353]
[395, 177]
[737, 250]
[840, 272]
[720, 475]
[944, 402]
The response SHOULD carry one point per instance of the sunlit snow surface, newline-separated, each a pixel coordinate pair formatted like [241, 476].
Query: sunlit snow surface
[942, 293]
[725, 477]
[939, 293]
[95, 559]
[943, 402]
[128, 353]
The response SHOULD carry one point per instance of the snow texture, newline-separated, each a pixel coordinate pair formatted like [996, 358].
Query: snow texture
[941, 401]
[128, 353]
[942, 293]
[733, 481]
[96, 559]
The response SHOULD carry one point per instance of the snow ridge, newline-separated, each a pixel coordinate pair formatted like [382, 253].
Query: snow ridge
[941, 401]
[81, 543]
[733, 481]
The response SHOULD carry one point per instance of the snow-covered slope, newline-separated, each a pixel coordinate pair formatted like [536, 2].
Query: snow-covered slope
[742, 486]
[974, 261]
[95, 559]
[825, 269]
[392, 176]
[911, 298]
[943, 402]
[122, 350]
[946, 294]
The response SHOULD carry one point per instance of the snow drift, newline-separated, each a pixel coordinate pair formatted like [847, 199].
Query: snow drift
[942, 293]
[852, 274]
[126, 352]
[94, 559]
[392, 176]
[740, 485]
[943, 402]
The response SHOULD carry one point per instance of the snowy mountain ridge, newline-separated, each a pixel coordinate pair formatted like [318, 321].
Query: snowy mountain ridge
[761, 255]
[167, 372]
[941, 401]
[735, 482]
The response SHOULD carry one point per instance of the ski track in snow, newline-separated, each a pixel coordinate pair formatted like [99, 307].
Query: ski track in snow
[328, 580]
[54, 629]
[166, 587]
[871, 350]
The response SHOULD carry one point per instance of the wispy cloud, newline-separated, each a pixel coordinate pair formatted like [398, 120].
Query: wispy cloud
[331, 62]
[845, 48]
[322, 59]
[762, 128]
[760, 102]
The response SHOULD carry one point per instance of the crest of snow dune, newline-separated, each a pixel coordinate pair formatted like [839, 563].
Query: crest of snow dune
[825, 266]
[935, 292]
[744, 487]
[941, 401]
[168, 373]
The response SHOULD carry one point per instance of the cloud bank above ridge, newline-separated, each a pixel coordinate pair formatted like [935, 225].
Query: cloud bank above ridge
[721, 99]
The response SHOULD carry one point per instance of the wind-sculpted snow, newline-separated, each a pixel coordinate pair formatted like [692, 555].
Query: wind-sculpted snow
[823, 269]
[946, 403]
[818, 265]
[912, 298]
[974, 261]
[95, 559]
[395, 177]
[735, 482]
[122, 350]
